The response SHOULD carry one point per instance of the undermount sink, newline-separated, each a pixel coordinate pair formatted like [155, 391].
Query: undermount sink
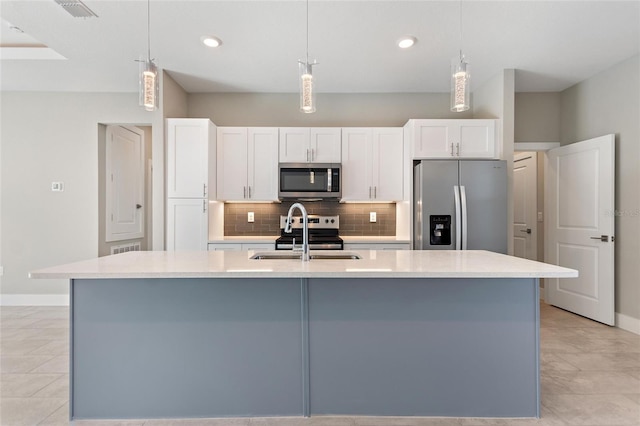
[312, 256]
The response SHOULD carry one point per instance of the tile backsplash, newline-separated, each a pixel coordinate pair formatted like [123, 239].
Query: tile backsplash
[354, 217]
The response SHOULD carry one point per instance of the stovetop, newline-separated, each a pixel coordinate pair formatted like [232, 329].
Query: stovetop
[323, 233]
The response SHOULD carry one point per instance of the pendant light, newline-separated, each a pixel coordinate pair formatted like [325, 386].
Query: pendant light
[307, 95]
[148, 84]
[460, 78]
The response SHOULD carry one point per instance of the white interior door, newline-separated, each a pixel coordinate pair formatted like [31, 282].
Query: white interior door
[525, 197]
[579, 229]
[125, 169]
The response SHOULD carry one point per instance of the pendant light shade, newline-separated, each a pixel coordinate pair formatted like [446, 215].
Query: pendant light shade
[307, 98]
[307, 89]
[460, 84]
[148, 87]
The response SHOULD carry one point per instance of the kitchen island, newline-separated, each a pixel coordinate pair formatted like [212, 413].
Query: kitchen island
[217, 334]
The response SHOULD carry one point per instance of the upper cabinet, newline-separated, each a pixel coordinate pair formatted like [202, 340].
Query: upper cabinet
[247, 164]
[190, 143]
[372, 164]
[454, 138]
[309, 145]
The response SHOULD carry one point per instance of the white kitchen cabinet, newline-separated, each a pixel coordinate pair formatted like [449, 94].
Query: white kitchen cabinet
[454, 139]
[376, 246]
[241, 246]
[189, 144]
[309, 145]
[372, 164]
[187, 224]
[247, 164]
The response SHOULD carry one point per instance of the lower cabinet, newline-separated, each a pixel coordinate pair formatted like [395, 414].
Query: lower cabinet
[241, 246]
[377, 246]
[187, 224]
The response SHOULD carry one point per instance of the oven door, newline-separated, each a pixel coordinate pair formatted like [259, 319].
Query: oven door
[309, 180]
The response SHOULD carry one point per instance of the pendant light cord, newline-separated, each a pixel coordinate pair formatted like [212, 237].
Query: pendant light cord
[460, 26]
[307, 32]
[149, 30]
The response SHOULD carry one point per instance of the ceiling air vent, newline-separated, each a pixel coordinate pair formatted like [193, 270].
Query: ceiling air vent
[76, 8]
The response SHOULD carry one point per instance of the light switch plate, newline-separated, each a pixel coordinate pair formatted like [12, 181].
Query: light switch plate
[540, 217]
[57, 186]
[372, 217]
[250, 217]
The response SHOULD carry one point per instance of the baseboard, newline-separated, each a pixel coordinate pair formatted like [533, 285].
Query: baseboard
[34, 300]
[628, 323]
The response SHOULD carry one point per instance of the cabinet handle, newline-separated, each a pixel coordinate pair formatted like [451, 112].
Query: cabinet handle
[244, 192]
[369, 192]
[204, 206]
[458, 149]
[313, 154]
[204, 189]
[375, 192]
[307, 155]
[249, 192]
[452, 149]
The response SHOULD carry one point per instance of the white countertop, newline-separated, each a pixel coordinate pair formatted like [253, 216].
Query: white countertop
[244, 239]
[368, 239]
[374, 264]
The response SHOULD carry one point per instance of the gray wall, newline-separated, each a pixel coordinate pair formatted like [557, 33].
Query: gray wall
[537, 117]
[610, 103]
[333, 109]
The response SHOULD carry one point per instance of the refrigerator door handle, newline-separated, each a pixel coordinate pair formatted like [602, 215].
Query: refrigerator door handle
[456, 197]
[463, 211]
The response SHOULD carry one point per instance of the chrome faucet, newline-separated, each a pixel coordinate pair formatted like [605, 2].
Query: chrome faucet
[305, 228]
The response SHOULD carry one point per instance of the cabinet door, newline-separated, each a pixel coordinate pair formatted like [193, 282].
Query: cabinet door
[433, 139]
[294, 145]
[356, 164]
[232, 163]
[262, 179]
[187, 158]
[224, 247]
[325, 145]
[477, 138]
[187, 224]
[387, 164]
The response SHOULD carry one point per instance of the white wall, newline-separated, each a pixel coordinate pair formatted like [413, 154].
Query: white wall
[610, 103]
[54, 137]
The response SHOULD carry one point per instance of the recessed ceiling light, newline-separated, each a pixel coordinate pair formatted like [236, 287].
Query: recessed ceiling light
[406, 42]
[211, 41]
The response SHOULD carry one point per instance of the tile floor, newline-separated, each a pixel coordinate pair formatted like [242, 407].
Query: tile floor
[590, 377]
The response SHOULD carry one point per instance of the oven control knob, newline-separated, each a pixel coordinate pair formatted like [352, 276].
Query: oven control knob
[326, 221]
[333, 220]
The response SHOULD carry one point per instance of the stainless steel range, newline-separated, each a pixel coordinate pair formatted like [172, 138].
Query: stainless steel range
[323, 233]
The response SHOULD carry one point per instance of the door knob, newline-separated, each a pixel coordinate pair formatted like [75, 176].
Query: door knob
[603, 238]
[528, 230]
[138, 206]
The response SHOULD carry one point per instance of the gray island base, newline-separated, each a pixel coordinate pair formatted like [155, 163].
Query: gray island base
[225, 346]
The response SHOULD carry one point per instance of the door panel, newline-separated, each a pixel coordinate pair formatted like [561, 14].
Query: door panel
[525, 205]
[125, 167]
[436, 198]
[263, 164]
[485, 184]
[579, 200]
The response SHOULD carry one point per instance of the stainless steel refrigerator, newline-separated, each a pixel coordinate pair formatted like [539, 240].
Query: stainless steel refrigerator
[460, 205]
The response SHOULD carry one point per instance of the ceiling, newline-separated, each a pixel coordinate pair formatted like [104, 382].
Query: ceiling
[551, 44]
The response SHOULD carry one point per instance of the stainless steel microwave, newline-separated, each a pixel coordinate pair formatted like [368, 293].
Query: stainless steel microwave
[309, 180]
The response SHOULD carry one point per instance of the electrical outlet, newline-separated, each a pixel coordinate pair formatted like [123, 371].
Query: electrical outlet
[372, 217]
[57, 186]
[540, 217]
[250, 217]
